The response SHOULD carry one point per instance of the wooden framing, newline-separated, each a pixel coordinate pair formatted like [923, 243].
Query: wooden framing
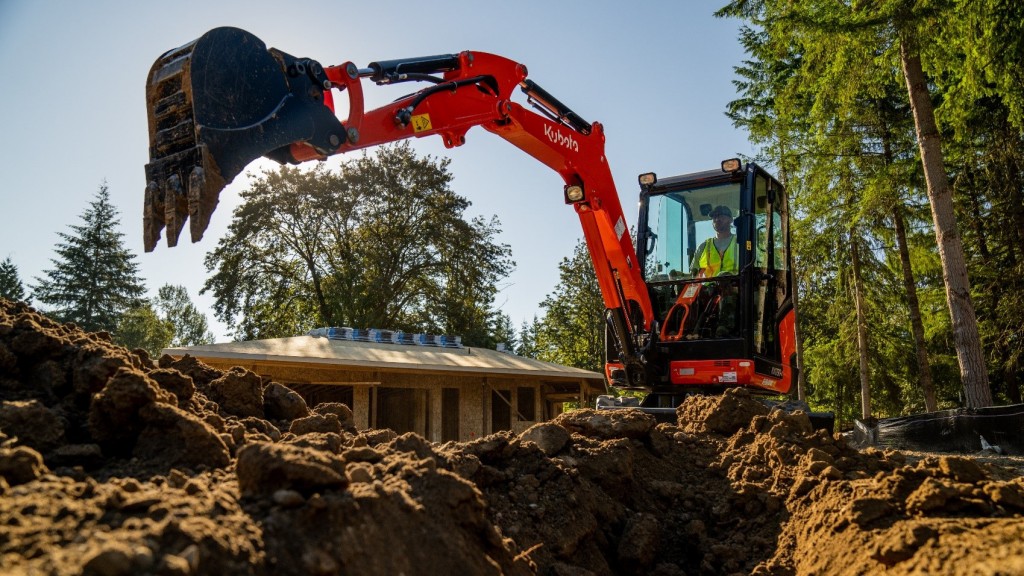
[423, 398]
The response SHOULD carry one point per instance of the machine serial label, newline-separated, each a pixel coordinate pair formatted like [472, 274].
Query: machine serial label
[691, 291]
[421, 122]
[728, 377]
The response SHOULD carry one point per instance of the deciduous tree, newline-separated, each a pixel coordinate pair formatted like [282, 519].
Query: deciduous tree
[382, 243]
[141, 327]
[571, 332]
[189, 324]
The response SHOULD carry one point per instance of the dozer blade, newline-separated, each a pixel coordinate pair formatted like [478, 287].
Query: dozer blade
[214, 106]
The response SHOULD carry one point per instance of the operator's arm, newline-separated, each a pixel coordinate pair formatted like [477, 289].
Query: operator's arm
[695, 267]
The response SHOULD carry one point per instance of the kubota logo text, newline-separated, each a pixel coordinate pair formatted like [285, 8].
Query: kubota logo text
[558, 138]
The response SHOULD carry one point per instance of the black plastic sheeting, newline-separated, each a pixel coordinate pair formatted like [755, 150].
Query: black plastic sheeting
[964, 430]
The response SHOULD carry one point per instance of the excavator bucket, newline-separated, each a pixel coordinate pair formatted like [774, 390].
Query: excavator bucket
[214, 106]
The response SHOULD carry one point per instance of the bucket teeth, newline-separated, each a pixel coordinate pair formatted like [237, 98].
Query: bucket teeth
[199, 203]
[175, 206]
[172, 140]
[152, 215]
[215, 105]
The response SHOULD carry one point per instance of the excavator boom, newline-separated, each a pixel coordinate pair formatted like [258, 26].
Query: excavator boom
[224, 100]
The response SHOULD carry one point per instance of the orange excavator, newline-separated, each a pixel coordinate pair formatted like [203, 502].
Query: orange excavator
[676, 325]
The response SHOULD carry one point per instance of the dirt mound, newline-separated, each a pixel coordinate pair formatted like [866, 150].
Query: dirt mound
[111, 463]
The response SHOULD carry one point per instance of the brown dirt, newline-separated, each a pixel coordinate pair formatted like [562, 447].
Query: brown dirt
[112, 464]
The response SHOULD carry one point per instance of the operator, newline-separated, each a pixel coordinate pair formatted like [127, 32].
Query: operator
[719, 256]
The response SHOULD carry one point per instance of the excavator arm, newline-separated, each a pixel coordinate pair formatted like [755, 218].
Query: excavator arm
[224, 100]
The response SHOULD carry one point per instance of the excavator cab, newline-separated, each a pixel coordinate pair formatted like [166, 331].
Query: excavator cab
[715, 252]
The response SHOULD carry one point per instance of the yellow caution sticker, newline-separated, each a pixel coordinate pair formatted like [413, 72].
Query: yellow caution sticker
[421, 122]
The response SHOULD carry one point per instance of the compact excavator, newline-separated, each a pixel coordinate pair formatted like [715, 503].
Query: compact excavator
[673, 329]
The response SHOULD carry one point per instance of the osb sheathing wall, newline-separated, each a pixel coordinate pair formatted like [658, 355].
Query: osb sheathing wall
[475, 393]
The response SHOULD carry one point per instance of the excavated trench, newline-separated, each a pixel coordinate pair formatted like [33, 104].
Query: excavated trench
[111, 463]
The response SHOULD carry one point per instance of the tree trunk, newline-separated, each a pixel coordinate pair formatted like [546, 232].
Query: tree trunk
[924, 370]
[978, 222]
[318, 292]
[1010, 377]
[1015, 208]
[973, 372]
[862, 331]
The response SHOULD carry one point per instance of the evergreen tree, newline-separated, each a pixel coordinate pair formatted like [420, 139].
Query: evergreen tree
[976, 68]
[505, 333]
[10, 283]
[973, 371]
[189, 324]
[527, 341]
[839, 95]
[94, 279]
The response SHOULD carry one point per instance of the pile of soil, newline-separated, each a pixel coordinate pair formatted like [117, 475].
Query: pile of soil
[112, 463]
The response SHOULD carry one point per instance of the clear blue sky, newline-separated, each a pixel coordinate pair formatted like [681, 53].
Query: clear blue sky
[657, 74]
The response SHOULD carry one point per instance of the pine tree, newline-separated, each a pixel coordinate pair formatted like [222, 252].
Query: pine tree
[526, 345]
[94, 279]
[504, 332]
[10, 283]
[841, 95]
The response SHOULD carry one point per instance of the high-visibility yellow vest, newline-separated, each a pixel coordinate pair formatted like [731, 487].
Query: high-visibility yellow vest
[714, 263]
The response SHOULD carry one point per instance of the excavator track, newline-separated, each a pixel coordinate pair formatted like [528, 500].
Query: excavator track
[215, 105]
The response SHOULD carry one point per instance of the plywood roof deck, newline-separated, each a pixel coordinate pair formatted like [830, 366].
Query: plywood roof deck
[306, 350]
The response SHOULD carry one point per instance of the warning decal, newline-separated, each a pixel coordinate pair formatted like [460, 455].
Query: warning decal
[421, 122]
